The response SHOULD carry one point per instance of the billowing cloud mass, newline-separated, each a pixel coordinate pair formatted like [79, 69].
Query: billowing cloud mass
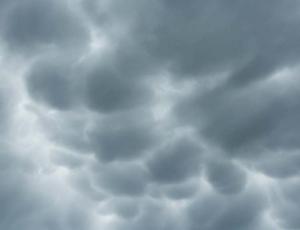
[153, 115]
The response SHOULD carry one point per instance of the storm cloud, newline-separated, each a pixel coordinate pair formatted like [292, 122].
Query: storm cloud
[156, 115]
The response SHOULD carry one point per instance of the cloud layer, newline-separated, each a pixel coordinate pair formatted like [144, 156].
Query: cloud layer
[158, 115]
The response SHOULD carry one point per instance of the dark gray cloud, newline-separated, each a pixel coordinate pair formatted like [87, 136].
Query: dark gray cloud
[226, 177]
[281, 165]
[149, 115]
[176, 162]
[235, 40]
[245, 122]
[212, 211]
[126, 208]
[122, 137]
[50, 82]
[110, 91]
[122, 179]
[185, 190]
[35, 24]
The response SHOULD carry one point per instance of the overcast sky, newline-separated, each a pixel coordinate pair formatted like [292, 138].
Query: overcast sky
[149, 115]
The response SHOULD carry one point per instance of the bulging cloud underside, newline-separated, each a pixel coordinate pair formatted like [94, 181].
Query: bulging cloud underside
[150, 115]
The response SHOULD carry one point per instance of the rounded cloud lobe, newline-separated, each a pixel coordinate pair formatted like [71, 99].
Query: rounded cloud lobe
[50, 83]
[226, 177]
[176, 162]
[149, 115]
[35, 24]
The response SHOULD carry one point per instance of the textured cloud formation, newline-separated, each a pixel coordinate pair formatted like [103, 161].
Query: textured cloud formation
[152, 115]
[35, 24]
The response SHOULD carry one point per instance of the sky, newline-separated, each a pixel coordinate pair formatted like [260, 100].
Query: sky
[149, 115]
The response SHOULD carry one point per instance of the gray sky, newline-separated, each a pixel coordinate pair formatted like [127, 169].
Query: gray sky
[149, 115]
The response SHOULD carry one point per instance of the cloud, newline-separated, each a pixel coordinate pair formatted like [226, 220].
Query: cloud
[122, 179]
[213, 211]
[50, 82]
[153, 216]
[2, 112]
[176, 162]
[226, 177]
[287, 203]
[109, 91]
[35, 24]
[126, 208]
[149, 115]
[243, 121]
[185, 190]
[23, 204]
[121, 137]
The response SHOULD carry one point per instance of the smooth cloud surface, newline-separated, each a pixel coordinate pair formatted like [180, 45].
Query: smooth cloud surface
[156, 115]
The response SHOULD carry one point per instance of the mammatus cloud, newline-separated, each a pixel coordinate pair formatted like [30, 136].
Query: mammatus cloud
[156, 115]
